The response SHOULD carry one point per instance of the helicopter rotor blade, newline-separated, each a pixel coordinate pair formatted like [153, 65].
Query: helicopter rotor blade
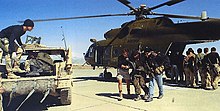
[168, 3]
[127, 3]
[178, 16]
[184, 16]
[79, 17]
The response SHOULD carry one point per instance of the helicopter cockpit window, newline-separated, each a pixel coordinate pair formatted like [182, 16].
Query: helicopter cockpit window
[90, 51]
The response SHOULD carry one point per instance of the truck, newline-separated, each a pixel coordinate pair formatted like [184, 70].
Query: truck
[49, 72]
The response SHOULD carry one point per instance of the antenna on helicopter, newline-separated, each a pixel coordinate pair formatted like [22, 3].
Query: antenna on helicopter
[63, 39]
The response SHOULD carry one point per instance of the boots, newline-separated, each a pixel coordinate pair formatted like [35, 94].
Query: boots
[145, 96]
[149, 99]
[27, 66]
[120, 96]
[137, 98]
[11, 75]
[17, 69]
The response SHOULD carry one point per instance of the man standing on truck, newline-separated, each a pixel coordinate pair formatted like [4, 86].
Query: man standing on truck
[9, 47]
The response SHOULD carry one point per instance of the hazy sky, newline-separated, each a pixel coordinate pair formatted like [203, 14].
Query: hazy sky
[78, 32]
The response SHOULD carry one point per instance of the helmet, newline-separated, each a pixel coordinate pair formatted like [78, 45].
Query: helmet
[29, 23]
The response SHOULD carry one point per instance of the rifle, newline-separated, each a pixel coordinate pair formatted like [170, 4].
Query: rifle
[132, 65]
[150, 70]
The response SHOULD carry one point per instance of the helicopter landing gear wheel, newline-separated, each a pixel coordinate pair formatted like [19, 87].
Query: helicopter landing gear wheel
[107, 75]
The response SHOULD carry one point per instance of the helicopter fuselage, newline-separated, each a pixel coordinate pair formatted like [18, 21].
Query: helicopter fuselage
[160, 34]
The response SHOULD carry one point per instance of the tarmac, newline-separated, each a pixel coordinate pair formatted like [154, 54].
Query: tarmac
[92, 93]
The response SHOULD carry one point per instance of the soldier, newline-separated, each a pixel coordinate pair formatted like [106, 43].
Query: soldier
[139, 76]
[189, 68]
[174, 69]
[123, 72]
[205, 69]
[196, 77]
[10, 34]
[199, 58]
[156, 62]
[213, 61]
[180, 58]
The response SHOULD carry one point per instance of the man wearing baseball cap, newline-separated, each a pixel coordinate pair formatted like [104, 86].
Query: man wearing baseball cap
[8, 45]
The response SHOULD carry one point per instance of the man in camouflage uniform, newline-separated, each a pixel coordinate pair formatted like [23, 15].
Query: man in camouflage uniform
[214, 68]
[199, 58]
[138, 76]
[8, 45]
[189, 68]
[205, 69]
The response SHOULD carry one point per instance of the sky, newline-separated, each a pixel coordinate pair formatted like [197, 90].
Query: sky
[78, 32]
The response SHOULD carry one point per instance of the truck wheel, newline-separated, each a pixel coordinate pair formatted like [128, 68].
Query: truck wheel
[65, 96]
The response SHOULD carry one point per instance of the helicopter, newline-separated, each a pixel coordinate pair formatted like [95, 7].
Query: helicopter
[159, 33]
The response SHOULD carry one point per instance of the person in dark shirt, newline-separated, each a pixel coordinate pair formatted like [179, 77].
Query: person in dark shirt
[189, 68]
[139, 76]
[123, 72]
[180, 58]
[213, 62]
[205, 69]
[11, 34]
[157, 62]
[199, 58]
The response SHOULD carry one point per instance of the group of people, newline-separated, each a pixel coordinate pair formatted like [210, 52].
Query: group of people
[204, 64]
[182, 69]
[151, 64]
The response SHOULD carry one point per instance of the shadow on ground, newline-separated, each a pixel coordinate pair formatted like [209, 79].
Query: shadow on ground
[32, 104]
[116, 95]
[78, 79]
[167, 82]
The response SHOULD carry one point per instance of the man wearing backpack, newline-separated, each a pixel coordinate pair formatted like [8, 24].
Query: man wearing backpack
[214, 68]
[157, 62]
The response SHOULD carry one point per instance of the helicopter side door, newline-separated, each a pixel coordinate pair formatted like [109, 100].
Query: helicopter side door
[110, 56]
[107, 55]
[99, 56]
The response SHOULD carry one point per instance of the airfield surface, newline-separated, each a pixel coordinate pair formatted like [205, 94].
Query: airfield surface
[91, 93]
